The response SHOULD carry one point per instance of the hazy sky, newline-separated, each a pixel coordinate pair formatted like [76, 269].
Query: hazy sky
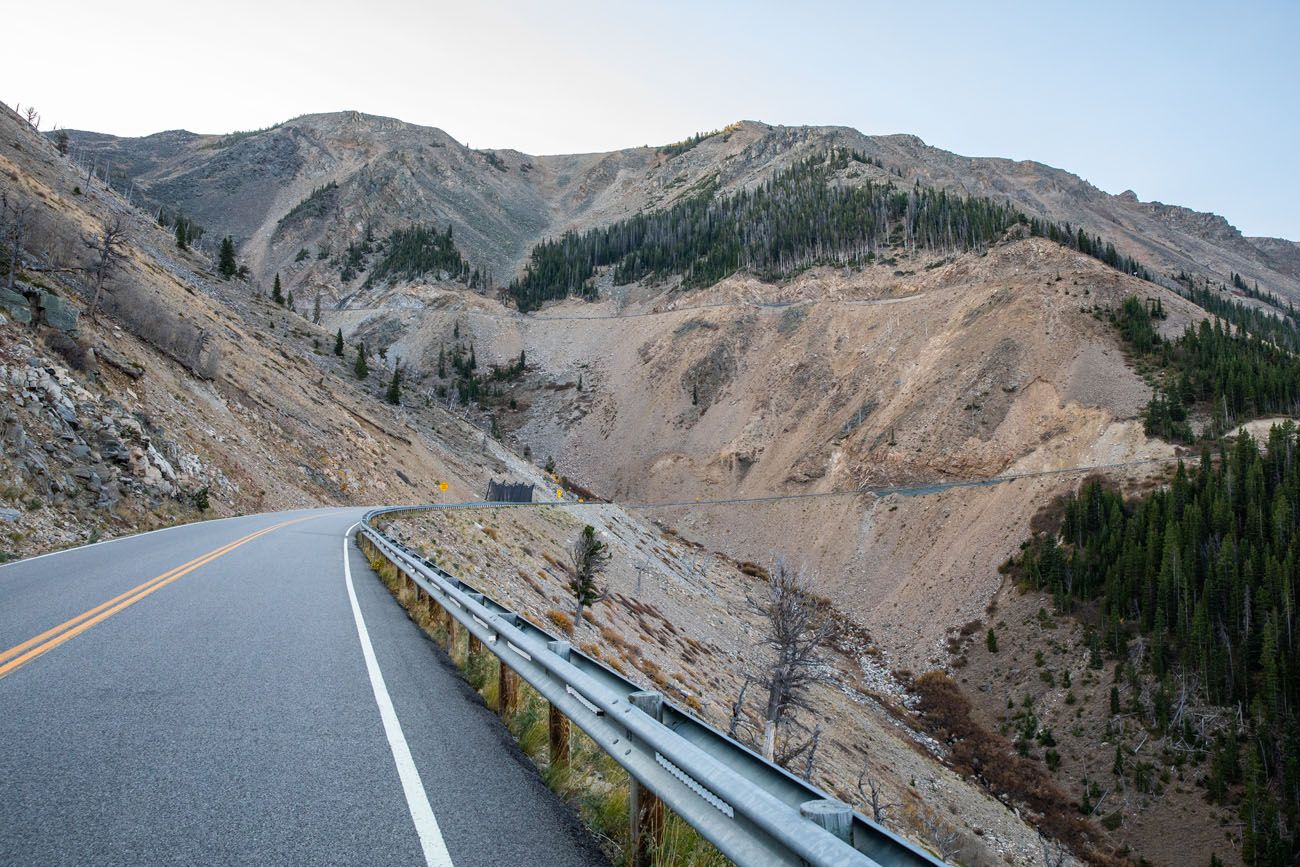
[1186, 102]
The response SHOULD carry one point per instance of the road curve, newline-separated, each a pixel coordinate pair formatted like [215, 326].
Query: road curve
[222, 693]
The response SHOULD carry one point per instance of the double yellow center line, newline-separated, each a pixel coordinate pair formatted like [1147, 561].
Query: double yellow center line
[21, 654]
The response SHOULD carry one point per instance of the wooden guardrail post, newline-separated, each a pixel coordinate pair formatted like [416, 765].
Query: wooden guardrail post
[558, 723]
[453, 638]
[645, 810]
[507, 691]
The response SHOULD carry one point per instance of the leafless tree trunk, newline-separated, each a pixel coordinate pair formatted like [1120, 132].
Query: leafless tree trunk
[13, 226]
[870, 793]
[799, 625]
[1054, 853]
[806, 748]
[946, 839]
[33, 117]
[738, 707]
[108, 249]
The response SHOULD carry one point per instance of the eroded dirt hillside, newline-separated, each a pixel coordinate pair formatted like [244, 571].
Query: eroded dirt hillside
[187, 390]
[832, 385]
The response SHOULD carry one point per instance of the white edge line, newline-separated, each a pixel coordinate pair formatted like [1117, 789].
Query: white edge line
[426, 824]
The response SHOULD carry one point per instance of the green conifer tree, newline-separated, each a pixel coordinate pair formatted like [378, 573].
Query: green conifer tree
[338, 343]
[226, 264]
[360, 368]
[394, 393]
[277, 295]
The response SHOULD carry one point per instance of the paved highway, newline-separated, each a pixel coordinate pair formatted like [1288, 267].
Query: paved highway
[246, 691]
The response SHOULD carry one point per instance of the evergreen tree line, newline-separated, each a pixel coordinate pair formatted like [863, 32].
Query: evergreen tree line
[1273, 327]
[407, 254]
[795, 220]
[1251, 290]
[1206, 571]
[1090, 245]
[320, 202]
[412, 252]
[1232, 373]
[678, 148]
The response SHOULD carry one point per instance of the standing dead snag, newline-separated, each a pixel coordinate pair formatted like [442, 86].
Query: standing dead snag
[870, 792]
[799, 624]
[589, 556]
[107, 247]
[13, 227]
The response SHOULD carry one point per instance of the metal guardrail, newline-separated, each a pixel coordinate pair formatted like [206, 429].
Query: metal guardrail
[753, 811]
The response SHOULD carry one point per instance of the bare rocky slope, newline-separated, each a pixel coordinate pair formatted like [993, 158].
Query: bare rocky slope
[185, 390]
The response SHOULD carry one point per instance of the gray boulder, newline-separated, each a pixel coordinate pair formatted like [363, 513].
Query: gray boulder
[57, 313]
[15, 306]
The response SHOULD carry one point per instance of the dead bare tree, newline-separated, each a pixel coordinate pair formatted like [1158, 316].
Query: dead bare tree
[738, 707]
[870, 792]
[799, 625]
[33, 117]
[792, 748]
[108, 247]
[944, 837]
[13, 228]
[1054, 852]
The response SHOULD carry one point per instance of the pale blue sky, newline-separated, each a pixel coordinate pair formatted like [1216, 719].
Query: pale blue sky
[1189, 103]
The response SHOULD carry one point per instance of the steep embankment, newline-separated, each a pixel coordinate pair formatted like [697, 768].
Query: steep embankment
[834, 382]
[187, 390]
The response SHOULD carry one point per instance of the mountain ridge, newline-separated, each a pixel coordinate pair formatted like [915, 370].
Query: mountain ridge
[503, 201]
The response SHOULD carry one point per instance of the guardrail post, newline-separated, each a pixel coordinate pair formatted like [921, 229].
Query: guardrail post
[645, 810]
[475, 643]
[558, 723]
[507, 691]
[453, 639]
[835, 816]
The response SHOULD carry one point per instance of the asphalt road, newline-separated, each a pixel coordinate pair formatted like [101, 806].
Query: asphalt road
[229, 712]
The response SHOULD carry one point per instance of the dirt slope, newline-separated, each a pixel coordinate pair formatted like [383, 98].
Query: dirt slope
[188, 383]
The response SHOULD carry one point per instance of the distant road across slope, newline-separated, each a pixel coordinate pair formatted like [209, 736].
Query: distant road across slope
[244, 691]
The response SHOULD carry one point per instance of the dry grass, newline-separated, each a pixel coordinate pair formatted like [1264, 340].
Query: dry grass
[976, 752]
[560, 620]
